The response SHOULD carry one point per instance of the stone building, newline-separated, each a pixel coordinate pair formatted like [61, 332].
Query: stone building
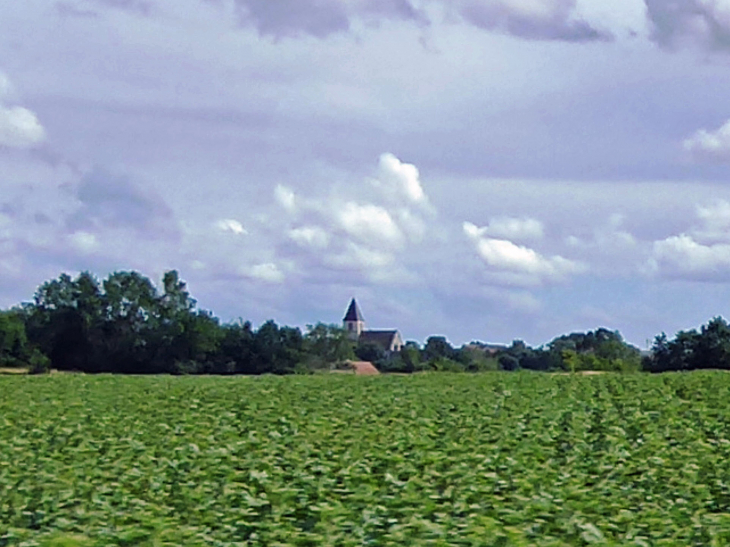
[354, 323]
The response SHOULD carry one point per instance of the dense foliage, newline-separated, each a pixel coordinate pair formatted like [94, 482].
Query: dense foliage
[495, 459]
[126, 324]
[708, 348]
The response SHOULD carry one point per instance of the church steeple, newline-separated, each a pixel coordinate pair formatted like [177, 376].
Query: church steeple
[353, 322]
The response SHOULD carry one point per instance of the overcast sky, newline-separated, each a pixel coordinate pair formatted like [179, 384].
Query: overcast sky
[480, 169]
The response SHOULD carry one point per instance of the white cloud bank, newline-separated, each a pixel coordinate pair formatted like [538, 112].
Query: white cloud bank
[518, 265]
[682, 256]
[366, 228]
[267, 272]
[19, 127]
[369, 223]
[710, 144]
[700, 254]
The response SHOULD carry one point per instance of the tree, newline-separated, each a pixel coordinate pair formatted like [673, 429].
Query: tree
[277, 350]
[437, 347]
[65, 321]
[325, 345]
[14, 348]
[708, 348]
[236, 348]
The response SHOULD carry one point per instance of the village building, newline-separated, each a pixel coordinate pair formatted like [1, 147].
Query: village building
[354, 323]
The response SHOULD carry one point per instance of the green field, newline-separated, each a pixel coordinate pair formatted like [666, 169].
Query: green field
[437, 459]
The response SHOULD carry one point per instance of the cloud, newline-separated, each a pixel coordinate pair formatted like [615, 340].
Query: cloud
[84, 242]
[513, 228]
[267, 272]
[141, 6]
[310, 236]
[319, 18]
[19, 127]
[516, 264]
[715, 222]
[530, 19]
[231, 225]
[68, 9]
[82, 8]
[401, 178]
[356, 257]
[285, 197]
[607, 239]
[411, 224]
[112, 201]
[6, 87]
[713, 145]
[370, 223]
[363, 228]
[697, 22]
[702, 253]
[681, 256]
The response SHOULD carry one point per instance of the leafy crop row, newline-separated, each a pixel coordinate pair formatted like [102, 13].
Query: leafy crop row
[492, 459]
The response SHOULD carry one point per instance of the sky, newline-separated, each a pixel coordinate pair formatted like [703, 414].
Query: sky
[479, 169]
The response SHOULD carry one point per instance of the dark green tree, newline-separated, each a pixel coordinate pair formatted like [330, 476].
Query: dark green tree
[325, 345]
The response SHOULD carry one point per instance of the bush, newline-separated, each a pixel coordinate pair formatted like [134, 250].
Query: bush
[38, 363]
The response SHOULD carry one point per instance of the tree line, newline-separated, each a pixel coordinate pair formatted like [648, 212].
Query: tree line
[124, 324]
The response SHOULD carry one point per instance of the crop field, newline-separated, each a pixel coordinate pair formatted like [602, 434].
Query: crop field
[437, 459]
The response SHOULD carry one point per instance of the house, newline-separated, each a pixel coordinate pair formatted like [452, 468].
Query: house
[354, 324]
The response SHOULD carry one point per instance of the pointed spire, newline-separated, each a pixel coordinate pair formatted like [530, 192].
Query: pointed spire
[353, 312]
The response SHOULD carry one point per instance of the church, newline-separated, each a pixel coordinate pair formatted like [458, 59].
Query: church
[354, 324]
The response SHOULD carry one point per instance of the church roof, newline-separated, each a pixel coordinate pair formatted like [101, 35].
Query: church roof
[353, 312]
[383, 338]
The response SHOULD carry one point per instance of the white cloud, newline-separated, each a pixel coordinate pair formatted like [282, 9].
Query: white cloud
[231, 225]
[701, 253]
[84, 242]
[19, 127]
[310, 236]
[682, 256]
[402, 177]
[357, 257]
[370, 223]
[514, 228]
[6, 88]
[715, 222]
[506, 257]
[267, 272]
[710, 144]
[607, 238]
[286, 198]
[412, 224]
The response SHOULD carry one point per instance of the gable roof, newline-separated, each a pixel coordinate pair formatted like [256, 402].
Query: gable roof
[353, 312]
[383, 338]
